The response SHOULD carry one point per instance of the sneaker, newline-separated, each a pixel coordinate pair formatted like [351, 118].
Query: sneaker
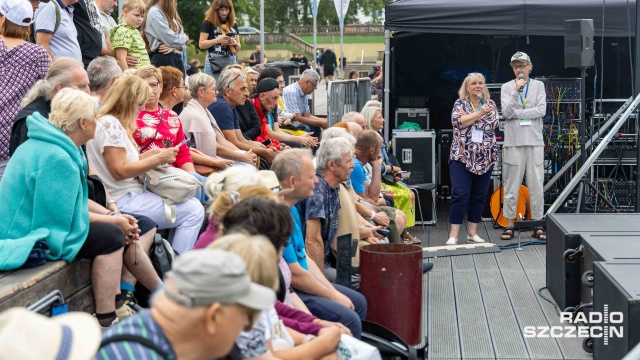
[129, 299]
[124, 312]
[105, 328]
[452, 241]
[475, 239]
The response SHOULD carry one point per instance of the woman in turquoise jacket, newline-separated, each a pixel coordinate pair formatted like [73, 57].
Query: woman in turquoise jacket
[45, 200]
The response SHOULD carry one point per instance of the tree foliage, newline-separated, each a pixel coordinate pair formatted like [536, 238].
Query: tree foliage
[278, 13]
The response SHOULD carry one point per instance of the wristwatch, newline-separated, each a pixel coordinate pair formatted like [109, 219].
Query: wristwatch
[109, 203]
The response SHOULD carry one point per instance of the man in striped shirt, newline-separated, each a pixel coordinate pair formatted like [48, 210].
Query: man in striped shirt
[207, 300]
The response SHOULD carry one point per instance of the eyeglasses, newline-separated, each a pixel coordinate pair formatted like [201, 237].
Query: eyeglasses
[281, 82]
[315, 84]
[180, 87]
[154, 85]
[518, 67]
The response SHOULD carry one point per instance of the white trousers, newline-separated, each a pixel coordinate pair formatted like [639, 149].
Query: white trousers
[518, 162]
[189, 217]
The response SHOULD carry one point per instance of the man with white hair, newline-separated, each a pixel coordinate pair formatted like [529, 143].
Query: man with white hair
[319, 214]
[102, 72]
[295, 172]
[64, 72]
[296, 102]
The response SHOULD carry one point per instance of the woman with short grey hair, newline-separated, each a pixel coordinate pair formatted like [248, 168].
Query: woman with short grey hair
[199, 125]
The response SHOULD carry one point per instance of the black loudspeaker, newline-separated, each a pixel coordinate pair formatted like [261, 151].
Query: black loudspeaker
[416, 152]
[578, 43]
[563, 241]
[616, 286]
[605, 247]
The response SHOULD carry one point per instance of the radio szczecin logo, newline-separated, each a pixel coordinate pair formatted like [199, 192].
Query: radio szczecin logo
[598, 325]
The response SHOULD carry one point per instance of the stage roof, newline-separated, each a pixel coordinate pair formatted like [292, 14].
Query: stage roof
[508, 17]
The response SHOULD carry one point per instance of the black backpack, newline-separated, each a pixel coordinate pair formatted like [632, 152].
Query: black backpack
[390, 345]
[162, 255]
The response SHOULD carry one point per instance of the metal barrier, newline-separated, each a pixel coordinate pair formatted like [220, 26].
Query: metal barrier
[364, 92]
[344, 96]
[51, 300]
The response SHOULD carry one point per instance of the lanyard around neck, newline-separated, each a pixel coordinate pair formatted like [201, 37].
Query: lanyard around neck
[526, 92]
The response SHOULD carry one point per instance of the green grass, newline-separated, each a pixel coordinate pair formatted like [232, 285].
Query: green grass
[346, 39]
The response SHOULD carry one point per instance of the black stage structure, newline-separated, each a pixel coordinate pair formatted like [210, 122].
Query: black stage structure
[432, 45]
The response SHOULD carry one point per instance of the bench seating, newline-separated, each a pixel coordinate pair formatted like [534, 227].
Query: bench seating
[25, 287]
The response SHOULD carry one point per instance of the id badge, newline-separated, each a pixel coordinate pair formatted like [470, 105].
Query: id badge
[525, 122]
[476, 135]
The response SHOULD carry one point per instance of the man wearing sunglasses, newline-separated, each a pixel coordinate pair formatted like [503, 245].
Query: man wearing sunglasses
[524, 104]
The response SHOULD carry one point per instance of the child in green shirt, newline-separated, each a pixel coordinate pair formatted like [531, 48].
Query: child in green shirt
[126, 39]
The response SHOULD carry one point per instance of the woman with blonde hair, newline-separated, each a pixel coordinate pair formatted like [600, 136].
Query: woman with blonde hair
[163, 31]
[270, 338]
[115, 158]
[220, 36]
[46, 206]
[473, 155]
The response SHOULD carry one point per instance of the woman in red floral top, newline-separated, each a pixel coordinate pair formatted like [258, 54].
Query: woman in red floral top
[160, 127]
[473, 155]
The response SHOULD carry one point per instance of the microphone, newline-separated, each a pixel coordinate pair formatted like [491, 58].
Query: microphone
[480, 98]
[521, 77]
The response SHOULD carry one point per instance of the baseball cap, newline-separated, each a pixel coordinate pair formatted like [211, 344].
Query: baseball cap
[269, 179]
[19, 12]
[28, 335]
[520, 56]
[206, 276]
[266, 84]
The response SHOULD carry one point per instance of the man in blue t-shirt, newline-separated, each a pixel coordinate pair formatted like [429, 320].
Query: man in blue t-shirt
[232, 92]
[367, 151]
[294, 169]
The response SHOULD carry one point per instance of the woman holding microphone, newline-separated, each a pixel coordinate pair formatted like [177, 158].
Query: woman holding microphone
[473, 155]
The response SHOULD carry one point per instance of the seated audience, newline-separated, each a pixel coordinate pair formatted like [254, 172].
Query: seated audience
[199, 125]
[265, 101]
[160, 127]
[233, 92]
[252, 78]
[354, 117]
[63, 73]
[114, 156]
[208, 299]
[296, 102]
[21, 65]
[102, 72]
[403, 198]
[269, 336]
[220, 187]
[294, 169]
[46, 202]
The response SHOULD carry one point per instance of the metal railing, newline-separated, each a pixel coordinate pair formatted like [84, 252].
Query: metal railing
[344, 96]
[280, 38]
[594, 156]
[351, 29]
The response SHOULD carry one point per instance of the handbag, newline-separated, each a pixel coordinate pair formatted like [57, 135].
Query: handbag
[350, 348]
[218, 62]
[173, 185]
[162, 255]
